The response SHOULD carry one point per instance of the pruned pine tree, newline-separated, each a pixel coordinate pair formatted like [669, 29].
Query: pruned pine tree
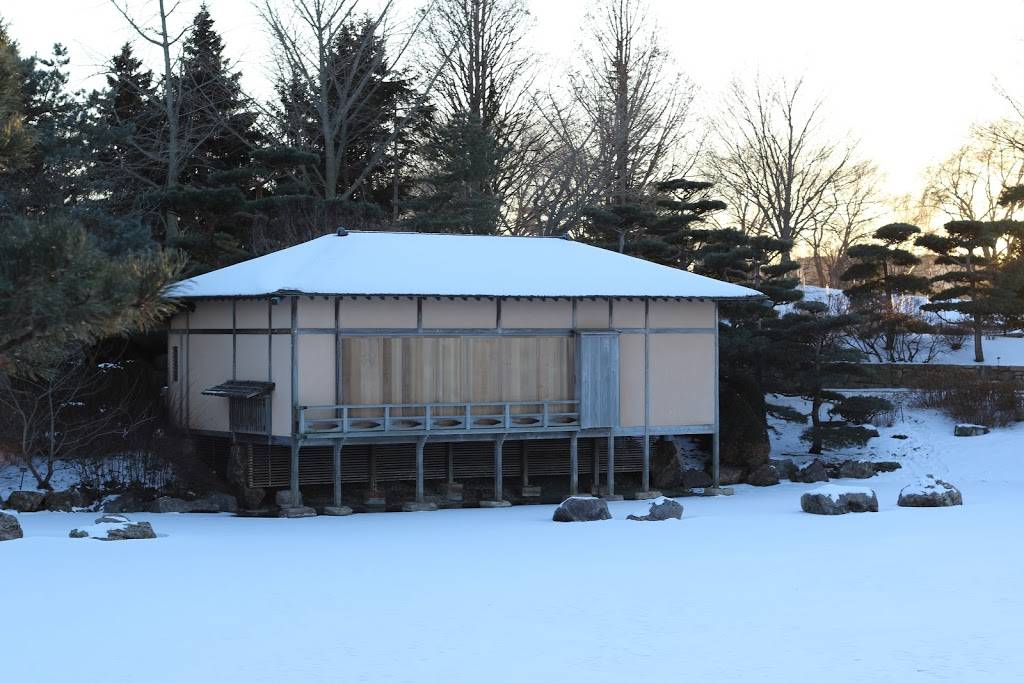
[879, 281]
[973, 286]
[813, 339]
[59, 289]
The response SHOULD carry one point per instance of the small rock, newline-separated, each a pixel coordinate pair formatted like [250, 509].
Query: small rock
[900, 436]
[112, 519]
[929, 492]
[838, 500]
[10, 527]
[662, 509]
[970, 430]
[25, 501]
[130, 532]
[581, 509]
[810, 473]
[856, 469]
[886, 466]
[294, 512]
[765, 475]
[78, 533]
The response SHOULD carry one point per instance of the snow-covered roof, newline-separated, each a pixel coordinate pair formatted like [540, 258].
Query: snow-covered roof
[397, 263]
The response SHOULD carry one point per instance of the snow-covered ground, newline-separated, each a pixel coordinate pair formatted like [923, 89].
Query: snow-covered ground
[744, 588]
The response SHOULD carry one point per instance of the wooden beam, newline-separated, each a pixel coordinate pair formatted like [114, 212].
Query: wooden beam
[574, 474]
[420, 443]
[336, 472]
[611, 465]
[499, 485]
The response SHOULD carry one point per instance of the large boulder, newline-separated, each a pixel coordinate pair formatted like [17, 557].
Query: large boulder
[970, 430]
[839, 500]
[238, 477]
[113, 527]
[728, 475]
[885, 466]
[811, 473]
[856, 469]
[215, 502]
[66, 501]
[765, 475]
[130, 501]
[785, 468]
[581, 509]
[26, 501]
[695, 479]
[10, 527]
[666, 470]
[929, 492]
[661, 509]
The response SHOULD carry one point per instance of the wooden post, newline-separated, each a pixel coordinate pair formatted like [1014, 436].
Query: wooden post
[450, 457]
[499, 486]
[645, 482]
[595, 474]
[611, 465]
[293, 477]
[524, 466]
[336, 472]
[420, 442]
[574, 475]
[372, 469]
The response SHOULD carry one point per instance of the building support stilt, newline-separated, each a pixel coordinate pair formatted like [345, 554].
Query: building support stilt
[420, 443]
[336, 472]
[645, 479]
[499, 496]
[574, 474]
[611, 470]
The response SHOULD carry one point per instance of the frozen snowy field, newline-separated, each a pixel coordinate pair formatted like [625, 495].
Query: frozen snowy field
[744, 588]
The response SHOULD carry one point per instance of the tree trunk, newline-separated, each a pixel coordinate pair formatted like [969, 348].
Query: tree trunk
[815, 424]
[979, 354]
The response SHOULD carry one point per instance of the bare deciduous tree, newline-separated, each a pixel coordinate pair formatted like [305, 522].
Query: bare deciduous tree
[315, 49]
[772, 153]
[853, 207]
[629, 96]
[67, 413]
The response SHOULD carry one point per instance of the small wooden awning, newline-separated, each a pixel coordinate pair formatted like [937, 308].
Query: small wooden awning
[240, 389]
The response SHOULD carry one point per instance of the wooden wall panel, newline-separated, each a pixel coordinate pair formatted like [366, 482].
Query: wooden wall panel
[631, 380]
[682, 379]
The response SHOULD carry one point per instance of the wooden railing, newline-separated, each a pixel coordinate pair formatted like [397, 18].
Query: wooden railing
[438, 418]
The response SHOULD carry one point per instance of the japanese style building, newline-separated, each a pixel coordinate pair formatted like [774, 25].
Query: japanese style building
[375, 356]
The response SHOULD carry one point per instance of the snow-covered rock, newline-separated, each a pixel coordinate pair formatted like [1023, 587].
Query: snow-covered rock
[10, 527]
[582, 509]
[785, 468]
[67, 500]
[661, 509]
[25, 501]
[112, 527]
[970, 430]
[833, 499]
[929, 492]
[215, 502]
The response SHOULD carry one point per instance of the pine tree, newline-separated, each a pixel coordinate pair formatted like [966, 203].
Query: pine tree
[15, 141]
[58, 288]
[455, 197]
[812, 338]
[973, 286]
[880, 278]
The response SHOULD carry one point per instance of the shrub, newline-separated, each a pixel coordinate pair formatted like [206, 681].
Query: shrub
[991, 403]
[841, 435]
[861, 409]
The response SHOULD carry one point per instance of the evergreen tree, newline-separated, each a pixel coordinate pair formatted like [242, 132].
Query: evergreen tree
[15, 140]
[58, 288]
[879, 278]
[813, 340]
[463, 159]
[973, 285]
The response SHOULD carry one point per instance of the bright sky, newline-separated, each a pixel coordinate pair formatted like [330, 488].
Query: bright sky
[907, 78]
